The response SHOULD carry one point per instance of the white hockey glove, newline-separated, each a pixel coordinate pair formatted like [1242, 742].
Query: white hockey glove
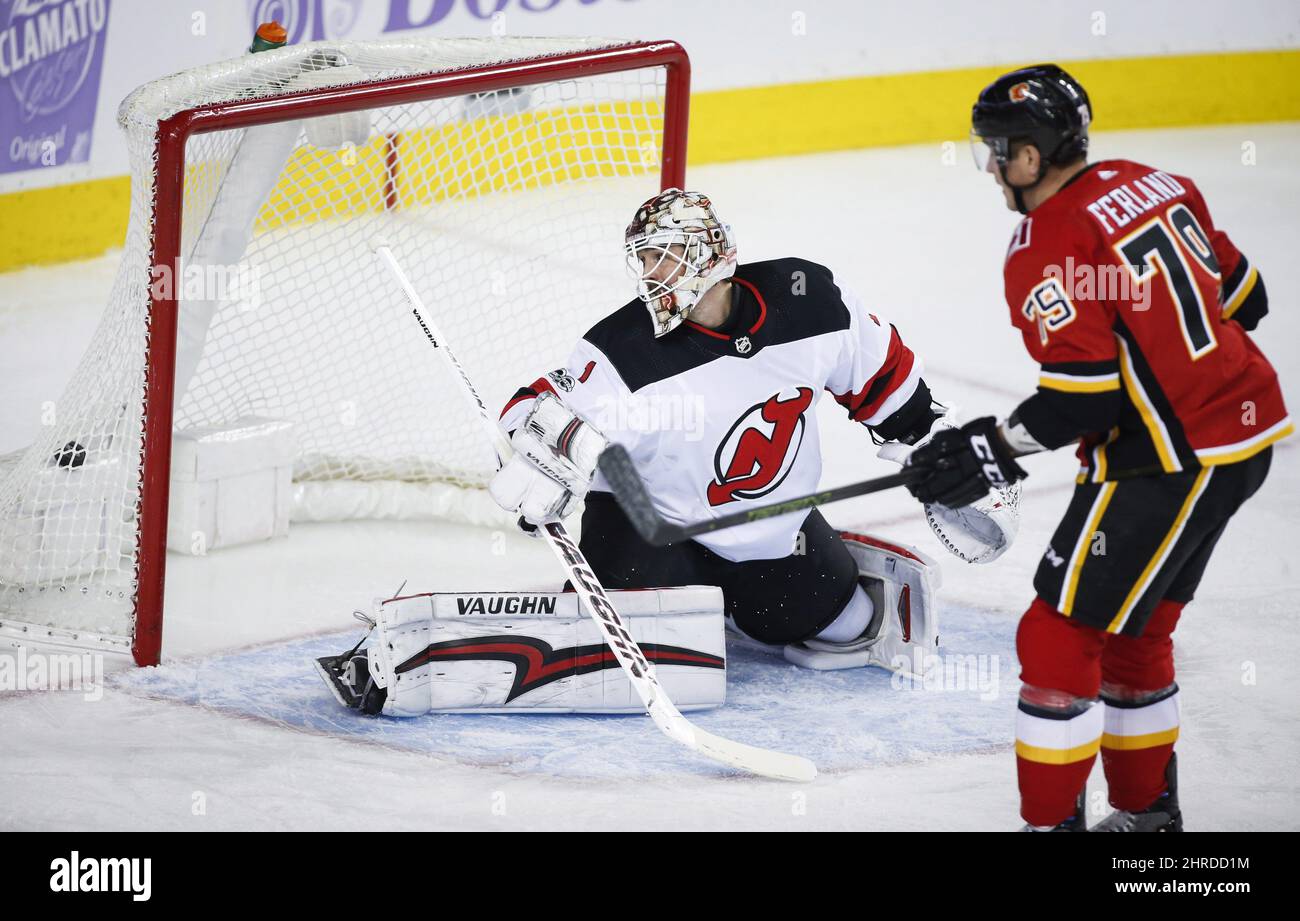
[551, 470]
[977, 533]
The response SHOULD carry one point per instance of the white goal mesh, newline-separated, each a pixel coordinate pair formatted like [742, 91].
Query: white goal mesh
[505, 207]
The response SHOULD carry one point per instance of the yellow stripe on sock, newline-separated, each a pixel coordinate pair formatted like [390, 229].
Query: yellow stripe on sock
[1057, 755]
[1134, 743]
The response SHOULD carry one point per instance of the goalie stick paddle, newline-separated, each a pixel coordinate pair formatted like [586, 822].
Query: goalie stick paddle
[632, 496]
[639, 671]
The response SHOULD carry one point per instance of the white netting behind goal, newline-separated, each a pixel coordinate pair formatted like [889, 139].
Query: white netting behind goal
[506, 209]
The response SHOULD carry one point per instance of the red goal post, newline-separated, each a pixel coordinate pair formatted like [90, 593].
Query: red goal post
[169, 201]
[167, 214]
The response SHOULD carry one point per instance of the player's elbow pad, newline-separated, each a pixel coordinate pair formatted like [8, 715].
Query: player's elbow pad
[1055, 418]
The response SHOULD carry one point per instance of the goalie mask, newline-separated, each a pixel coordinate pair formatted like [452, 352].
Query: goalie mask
[677, 249]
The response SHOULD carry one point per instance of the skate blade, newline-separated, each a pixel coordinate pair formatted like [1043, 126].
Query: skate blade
[324, 668]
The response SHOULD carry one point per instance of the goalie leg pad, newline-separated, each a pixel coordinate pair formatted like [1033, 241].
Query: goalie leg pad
[539, 652]
[901, 582]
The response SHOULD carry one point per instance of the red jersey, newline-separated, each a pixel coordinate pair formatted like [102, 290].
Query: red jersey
[1134, 303]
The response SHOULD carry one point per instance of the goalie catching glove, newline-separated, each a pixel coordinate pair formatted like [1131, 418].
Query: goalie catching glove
[551, 470]
[975, 517]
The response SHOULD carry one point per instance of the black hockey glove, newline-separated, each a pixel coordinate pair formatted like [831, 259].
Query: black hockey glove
[960, 465]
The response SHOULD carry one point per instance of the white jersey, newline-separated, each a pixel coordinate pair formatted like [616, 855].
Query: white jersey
[716, 419]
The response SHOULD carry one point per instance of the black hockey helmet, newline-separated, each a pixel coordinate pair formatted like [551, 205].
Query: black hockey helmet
[1041, 105]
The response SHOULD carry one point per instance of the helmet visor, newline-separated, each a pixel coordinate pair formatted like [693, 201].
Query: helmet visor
[987, 150]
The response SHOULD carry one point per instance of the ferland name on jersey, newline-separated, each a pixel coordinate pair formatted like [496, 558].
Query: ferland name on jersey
[1129, 200]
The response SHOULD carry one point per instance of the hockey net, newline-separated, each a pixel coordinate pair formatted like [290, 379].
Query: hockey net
[500, 171]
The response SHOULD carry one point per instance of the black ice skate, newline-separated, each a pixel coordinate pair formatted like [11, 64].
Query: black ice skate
[347, 675]
[348, 678]
[1162, 815]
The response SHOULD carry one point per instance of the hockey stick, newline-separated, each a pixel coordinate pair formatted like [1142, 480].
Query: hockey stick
[631, 659]
[630, 491]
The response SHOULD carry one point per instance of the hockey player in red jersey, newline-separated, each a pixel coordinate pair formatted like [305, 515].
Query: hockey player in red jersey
[710, 379]
[1138, 310]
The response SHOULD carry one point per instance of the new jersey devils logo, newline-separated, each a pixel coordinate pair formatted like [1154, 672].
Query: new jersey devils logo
[759, 450]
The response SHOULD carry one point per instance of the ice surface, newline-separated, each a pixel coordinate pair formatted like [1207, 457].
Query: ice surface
[198, 745]
[841, 720]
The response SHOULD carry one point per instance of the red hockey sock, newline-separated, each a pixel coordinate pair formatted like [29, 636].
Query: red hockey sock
[1053, 760]
[1058, 726]
[1135, 749]
[1141, 710]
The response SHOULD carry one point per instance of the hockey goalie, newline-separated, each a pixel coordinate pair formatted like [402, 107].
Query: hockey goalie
[709, 379]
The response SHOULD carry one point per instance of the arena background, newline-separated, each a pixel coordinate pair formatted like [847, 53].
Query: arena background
[771, 77]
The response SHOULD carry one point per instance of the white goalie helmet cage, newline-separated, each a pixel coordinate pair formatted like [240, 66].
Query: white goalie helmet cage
[680, 230]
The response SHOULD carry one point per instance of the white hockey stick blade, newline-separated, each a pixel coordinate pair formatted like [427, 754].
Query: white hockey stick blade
[761, 761]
